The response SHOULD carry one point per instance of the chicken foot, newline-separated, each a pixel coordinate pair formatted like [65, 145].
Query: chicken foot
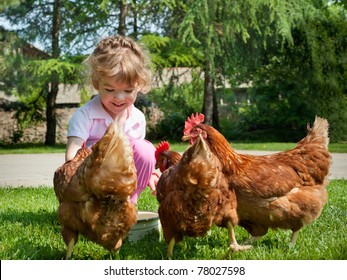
[118, 245]
[294, 238]
[170, 248]
[234, 246]
[69, 249]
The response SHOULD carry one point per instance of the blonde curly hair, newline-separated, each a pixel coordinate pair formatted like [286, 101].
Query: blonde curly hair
[122, 58]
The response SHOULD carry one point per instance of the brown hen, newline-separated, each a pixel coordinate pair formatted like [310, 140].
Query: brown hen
[93, 191]
[165, 158]
[283, 190]
[196, 196]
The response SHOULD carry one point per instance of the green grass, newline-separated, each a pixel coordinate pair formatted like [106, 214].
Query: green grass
[29, 229]
[31, 149]
[276, 146]
[180, 147]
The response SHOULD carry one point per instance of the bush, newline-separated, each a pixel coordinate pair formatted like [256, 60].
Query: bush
[170, 128]
[176, 103]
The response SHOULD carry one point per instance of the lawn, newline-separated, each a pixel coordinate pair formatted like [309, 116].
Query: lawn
[29, 230]
[176, 146]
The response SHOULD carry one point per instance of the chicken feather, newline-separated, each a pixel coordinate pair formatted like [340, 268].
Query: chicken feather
[193, 196]
[94, 189]
[283, 190]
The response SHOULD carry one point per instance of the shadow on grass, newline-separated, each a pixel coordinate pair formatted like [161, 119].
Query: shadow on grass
[31, 235]
[36, 236]
[42, 217]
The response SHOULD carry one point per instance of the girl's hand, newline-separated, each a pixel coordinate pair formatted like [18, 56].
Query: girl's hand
[153, 183]
[72, 146]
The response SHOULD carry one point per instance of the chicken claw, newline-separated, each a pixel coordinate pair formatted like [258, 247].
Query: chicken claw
[234, 246]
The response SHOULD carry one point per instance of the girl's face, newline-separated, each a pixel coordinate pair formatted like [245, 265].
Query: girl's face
[115, 96]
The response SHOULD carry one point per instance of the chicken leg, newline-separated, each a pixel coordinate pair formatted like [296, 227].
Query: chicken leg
[294, 238]
[118, 245]
[170, 248]
[69, 249]
[234, 246]
[70, 238]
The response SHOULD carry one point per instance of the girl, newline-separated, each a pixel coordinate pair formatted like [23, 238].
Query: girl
[119, 70]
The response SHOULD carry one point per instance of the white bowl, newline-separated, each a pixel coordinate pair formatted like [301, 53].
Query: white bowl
[147, 222]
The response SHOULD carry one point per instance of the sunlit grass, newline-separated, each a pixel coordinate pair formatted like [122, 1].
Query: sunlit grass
[176, 146]
[29, 229]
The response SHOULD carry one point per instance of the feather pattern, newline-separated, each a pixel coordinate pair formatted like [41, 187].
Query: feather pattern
[94, 189]
[283, 190]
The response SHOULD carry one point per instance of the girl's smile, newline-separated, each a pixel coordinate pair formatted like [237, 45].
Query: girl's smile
[115, 96]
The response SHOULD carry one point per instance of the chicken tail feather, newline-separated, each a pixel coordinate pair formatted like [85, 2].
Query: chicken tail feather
[319, 132]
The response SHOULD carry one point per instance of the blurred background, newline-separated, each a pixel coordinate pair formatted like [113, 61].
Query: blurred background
[258, 70]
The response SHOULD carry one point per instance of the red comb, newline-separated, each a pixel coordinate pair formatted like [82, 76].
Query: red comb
[162, 146]
[192, 121]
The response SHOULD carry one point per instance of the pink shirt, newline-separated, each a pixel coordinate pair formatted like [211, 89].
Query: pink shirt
[91, 120]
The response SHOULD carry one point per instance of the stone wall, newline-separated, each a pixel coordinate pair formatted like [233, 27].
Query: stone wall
[35, 133]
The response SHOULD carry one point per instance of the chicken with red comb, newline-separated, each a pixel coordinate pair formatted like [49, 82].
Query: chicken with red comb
[165, 157]
[285, 190]
[191, 122]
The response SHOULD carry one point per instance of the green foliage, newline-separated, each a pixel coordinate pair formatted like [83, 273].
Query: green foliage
[176, 102]
[299, 78]
[293, 51]
[171, 127]
[7, 3]
[185, 99]
[29, 80]
[44, 70]
[29, 230]
[168, 52]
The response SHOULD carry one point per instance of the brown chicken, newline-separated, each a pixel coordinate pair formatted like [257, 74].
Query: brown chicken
[195, 197]
[165, 158]
[283, 190]
[93, 191]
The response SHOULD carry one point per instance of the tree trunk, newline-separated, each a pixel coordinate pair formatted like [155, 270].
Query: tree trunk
[215, 114]
[135, 14]
[51, 117]
[53, 91]
[208, 94]
[122, 17]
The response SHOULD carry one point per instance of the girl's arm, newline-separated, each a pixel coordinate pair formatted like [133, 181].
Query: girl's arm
[72, 146]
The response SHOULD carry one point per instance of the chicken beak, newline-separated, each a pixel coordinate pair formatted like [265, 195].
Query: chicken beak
[186, 138]
[200, 145]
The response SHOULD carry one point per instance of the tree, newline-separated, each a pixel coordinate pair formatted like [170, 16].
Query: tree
[72, 27]
[54, 83]
[304, 77]
[223, 29]
[51, 24]
[42, 20]
[241, 41]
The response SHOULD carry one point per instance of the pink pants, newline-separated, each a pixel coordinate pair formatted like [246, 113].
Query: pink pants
[144, 163]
